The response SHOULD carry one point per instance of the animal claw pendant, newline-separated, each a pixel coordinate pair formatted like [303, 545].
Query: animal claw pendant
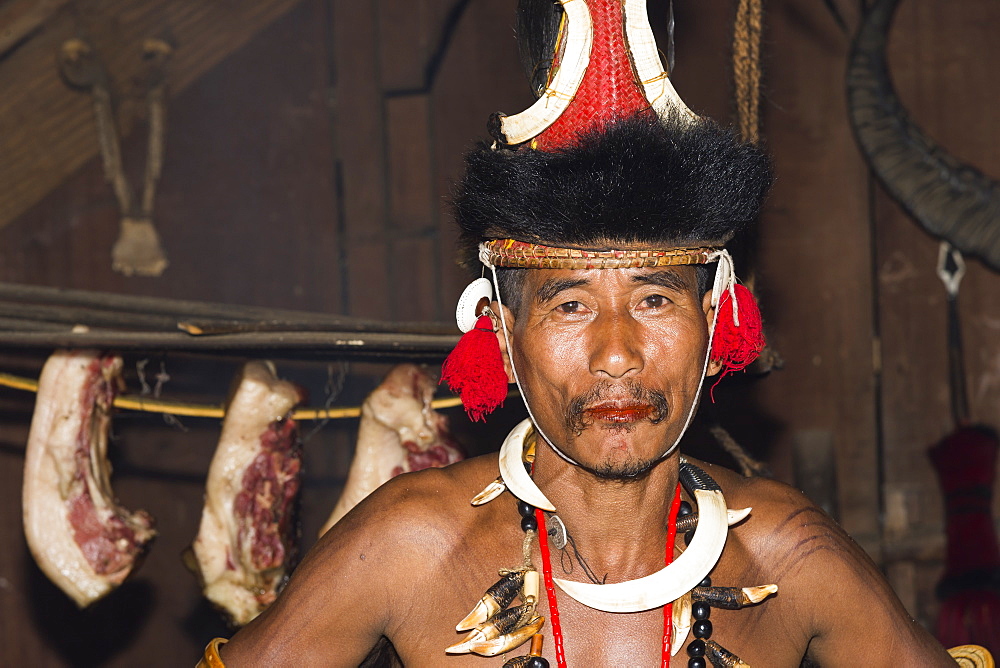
[496, 599]
[501, 636]
[495, 628]
[722, 657]
[733, 598]
[490, 492]
[682, 620]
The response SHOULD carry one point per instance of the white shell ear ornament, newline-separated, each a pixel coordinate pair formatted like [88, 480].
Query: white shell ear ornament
[467, 311]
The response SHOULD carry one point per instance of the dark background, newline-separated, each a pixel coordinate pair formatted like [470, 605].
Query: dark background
[310, 149]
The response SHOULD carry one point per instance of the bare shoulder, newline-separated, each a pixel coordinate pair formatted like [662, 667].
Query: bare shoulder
[342, 597]
[787, 539]
[829, 589]
[785, 528]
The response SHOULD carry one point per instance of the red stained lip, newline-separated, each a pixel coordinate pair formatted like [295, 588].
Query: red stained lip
[620, 413]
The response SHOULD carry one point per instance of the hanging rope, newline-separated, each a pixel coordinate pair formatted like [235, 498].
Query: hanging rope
[137, 250]
[749, 466]
[747, 31]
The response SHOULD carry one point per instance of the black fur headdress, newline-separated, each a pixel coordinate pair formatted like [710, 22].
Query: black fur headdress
[660, 183]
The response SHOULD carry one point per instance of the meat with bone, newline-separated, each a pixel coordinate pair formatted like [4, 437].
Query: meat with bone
[246, 540]
[80, 537]
[399, 432]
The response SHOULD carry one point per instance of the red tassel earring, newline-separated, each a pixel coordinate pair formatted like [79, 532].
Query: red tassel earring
[737, 346]
[474, 370]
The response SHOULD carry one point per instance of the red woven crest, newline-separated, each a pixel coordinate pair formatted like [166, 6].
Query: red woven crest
[737, 347]
[609, 89]
[474, 370]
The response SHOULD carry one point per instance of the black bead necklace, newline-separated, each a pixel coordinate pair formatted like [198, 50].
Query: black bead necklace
[700, 610]
[528, 523]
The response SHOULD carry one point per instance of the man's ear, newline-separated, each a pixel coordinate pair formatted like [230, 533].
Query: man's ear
[508, 317]
[714, 366]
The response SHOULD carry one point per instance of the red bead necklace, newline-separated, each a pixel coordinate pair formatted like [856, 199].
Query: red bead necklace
[550, 590]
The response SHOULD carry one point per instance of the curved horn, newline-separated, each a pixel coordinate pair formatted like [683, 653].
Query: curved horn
[512, 470]
[673, 581]
[554, 100]
[949, 199]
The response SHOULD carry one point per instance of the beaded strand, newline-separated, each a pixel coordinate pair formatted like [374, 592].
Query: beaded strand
[533, 519]
[700, 610]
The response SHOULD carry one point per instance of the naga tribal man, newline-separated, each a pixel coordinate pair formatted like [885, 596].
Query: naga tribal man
[600, 215]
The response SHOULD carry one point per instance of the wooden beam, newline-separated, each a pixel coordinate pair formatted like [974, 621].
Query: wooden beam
[20, 18]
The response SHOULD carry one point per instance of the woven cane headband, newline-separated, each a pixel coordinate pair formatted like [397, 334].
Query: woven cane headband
[524, 255]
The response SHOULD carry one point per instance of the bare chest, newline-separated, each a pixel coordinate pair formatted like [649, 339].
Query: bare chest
[761, 635]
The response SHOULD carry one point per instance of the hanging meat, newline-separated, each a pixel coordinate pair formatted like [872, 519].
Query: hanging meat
[80, 537]
[246, 543]
[399, 432]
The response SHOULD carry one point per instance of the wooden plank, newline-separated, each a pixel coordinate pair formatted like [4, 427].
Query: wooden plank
[246, 204]
[369, 290]
[943, 57]
[480, 74]
[702, 70]
[406, 33]
[409, 163]
[814, 263]
[411, 34]
[357, 110]
[47, 130]
[20, 18]
[416, 293]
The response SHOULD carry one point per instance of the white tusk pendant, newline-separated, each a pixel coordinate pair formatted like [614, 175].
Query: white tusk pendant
[512, 470]
[737, 516]
[671, 582]
[690, 522]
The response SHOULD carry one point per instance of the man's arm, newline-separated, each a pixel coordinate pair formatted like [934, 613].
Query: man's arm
[854, 616]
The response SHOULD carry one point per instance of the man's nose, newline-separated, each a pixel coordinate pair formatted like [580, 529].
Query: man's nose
[615, 346]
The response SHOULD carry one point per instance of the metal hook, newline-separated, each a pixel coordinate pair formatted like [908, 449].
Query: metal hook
[950, 268]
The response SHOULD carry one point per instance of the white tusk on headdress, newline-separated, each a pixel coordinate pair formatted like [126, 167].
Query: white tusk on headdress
[556, 98]
[671, 582]
[655, 82]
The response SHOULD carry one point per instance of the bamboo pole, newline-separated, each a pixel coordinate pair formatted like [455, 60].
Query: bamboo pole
[151, 405]
[204, 312]
[336, 344]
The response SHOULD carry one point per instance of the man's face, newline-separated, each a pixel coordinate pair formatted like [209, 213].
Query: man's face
[611, 361]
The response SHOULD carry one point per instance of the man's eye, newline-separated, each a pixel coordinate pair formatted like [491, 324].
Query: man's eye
[655, 301]
[570, 307]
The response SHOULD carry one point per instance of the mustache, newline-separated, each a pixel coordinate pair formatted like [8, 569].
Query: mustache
[576, 415]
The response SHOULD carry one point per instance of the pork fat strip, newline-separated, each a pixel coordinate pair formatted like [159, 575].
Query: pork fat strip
[247, 536]
[81, 539]
[399, 432]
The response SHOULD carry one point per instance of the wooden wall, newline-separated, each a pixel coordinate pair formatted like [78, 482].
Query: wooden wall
[849, 282]
[308, 165]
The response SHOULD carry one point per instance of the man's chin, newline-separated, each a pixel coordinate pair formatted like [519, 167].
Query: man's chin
[624, 471]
